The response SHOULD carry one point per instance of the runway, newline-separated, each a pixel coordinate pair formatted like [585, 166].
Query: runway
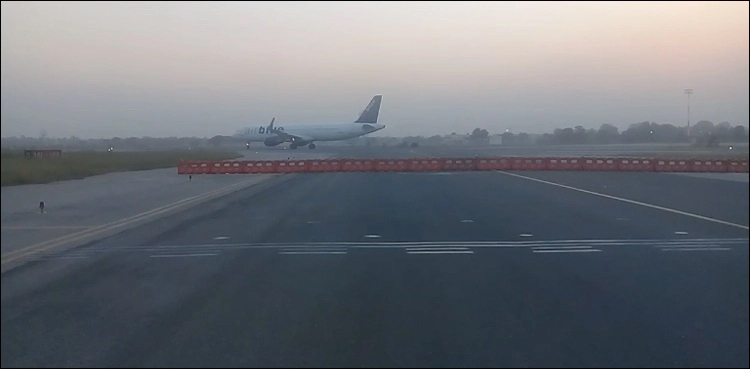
[480, 269]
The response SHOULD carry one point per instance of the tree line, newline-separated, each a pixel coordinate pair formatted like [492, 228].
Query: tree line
[644, 132]
[117, 143]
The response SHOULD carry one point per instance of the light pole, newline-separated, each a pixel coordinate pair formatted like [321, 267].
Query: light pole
[688, 92]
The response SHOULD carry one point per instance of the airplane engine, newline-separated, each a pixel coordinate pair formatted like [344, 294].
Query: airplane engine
[273, 141]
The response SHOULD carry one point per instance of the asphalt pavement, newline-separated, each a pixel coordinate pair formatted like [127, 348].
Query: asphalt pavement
[480, 269]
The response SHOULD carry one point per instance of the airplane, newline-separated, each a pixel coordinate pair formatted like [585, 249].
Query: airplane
[301, 135]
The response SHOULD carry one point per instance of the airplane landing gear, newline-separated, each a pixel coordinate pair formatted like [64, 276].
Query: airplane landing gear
[311, 145]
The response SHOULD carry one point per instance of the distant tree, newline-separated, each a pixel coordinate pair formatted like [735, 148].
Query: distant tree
[564, 136]
[435, 140]
[607, 133]
[713, 141]
[590, 136]
[723, 130]
[479, 135]
[579, 134]
[739, 134]
[546, 139]
[666, 133]
[523, 138]
[637, 132]
[702, 128]
[508, 138]
[215, 141]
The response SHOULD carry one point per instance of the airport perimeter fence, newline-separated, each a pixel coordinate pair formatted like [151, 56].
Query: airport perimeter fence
[463, 164]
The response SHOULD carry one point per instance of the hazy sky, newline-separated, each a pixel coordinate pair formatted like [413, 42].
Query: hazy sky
[201, 69]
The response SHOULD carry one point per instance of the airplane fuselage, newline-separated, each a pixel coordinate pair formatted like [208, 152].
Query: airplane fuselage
[320, 132]
[307, 134]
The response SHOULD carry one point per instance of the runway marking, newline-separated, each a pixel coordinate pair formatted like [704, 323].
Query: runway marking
[440, 252]
[295, 249]
[221, 238]
[559, 247]
[313, 221]
[46, 227]
[402, 244]
[182, 255]
[436, 248]
[467, 221]
[61, 257]
[631, 201]
[680, 232]
[526, 235]
[688, 245]
[372, 236]
[312, 252]
[55, 242]
[576, 250]
[698, 249]
[460, 247]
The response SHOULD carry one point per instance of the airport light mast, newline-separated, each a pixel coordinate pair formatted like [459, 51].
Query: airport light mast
[688, 92]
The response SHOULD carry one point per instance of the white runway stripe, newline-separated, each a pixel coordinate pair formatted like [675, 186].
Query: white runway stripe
[436, 248]
[567, 250]
[652, 206]
[312, 252]
[440, 252]
[596, 242]
[560, 247]
[414, 246]
[699, 249]
[182, 255]
[60, 257]
[687, 245]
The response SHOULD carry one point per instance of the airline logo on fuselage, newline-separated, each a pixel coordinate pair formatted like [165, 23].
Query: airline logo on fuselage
[263, 130]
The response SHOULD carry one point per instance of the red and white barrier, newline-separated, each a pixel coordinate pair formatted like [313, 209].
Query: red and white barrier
[356, 165]
[493, 164]
[708, 165]
[737, 166]
[599, 164]
[671, 165]
[462, 164]
[324, 165]
[565, 164]
[529, 163]
[391, 165]
[635, 165]
[291, 166]
[459, 164]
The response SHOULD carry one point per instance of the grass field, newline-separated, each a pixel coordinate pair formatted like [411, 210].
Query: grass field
[17, 170]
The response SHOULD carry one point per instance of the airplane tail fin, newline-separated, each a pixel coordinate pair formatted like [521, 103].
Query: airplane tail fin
[370, 114]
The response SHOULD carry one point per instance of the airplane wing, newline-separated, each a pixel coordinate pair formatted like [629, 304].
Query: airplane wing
[287, 136]
[291, 137]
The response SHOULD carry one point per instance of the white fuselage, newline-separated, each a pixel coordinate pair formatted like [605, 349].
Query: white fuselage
[321, 132]
[305, 135]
